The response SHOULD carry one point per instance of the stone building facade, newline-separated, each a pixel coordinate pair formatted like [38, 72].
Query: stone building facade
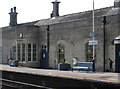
[47, 42]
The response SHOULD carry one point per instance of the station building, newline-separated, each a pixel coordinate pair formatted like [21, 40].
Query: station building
[46, 43]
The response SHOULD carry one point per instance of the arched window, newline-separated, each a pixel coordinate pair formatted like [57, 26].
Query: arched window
[89, 52]
[61, 53]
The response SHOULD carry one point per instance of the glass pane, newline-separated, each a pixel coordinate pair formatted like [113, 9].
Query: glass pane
[61, 53]
[18, 47]
[34, 45]
[29, 49]
[23, 52]
[34, 52]
[34, 56]
[89, 52]
[29, 52]
[14, 52]
[29, 45]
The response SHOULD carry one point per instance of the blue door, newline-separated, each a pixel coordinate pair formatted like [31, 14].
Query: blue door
[117, 58]
[43, 61]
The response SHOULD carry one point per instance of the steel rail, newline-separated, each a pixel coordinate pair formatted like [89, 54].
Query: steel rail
[21, 83]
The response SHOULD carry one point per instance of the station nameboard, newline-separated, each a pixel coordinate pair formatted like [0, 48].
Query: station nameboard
[93, 42]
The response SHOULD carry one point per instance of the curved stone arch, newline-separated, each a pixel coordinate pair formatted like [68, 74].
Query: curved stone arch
[61, 42]
[87, 40]
[61, 51]
[89, 51]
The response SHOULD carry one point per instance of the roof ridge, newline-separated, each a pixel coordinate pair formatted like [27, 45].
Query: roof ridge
[86, 11]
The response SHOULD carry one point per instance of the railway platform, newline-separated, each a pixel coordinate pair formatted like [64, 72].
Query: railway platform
[56, 79]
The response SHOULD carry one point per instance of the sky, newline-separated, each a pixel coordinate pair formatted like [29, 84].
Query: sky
[32, 10]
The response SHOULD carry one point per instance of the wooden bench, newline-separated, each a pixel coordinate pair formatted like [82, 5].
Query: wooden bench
[83, 66]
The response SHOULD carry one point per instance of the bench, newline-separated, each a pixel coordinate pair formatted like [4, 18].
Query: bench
[83, 66]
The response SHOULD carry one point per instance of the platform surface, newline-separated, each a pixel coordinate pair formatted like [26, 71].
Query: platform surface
[98, 76]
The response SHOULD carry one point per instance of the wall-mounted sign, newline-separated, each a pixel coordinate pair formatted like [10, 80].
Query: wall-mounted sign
[93, 42]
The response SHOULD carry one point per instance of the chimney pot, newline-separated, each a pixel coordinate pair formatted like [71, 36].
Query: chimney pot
[11, 9]
[55, 11]
[13, 17]
[14, 9]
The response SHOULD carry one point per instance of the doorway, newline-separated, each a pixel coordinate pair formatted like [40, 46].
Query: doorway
[44, 60]
[117, 58]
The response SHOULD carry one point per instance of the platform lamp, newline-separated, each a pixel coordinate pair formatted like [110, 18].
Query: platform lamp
[93, 40]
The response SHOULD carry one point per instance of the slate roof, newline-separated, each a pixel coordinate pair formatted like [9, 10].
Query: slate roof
[28, 23]
[23, 24]
[78, 16]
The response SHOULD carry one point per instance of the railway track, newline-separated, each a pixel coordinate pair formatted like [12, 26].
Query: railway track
[10, 84]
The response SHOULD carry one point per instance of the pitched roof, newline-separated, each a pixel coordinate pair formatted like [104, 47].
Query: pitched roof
[28, 23]
[23, 24]
[78, 16]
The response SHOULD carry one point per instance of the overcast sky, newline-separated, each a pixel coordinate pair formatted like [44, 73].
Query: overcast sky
[32, 10]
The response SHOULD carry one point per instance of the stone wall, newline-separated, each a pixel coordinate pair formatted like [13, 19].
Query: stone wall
[11, 38]
[74, 35]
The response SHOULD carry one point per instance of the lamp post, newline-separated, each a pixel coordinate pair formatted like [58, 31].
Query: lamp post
[93, 40]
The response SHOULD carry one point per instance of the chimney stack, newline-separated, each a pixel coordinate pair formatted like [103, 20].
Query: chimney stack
[116, 3]
[13, 17]
[55, 11]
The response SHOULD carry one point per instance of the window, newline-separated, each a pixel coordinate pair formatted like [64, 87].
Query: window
[14, 52]
[29, 52]
[19, 49]
[34, 52]
[23, 52]
[61, 53]
[89, 52]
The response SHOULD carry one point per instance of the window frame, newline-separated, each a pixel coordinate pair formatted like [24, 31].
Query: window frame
[61, 52]
[34, 52]
[89, 52]
[29, 52]
[23, 52]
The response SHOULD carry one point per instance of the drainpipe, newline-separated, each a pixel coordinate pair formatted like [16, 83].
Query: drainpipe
[48, 45]
[104, 24]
